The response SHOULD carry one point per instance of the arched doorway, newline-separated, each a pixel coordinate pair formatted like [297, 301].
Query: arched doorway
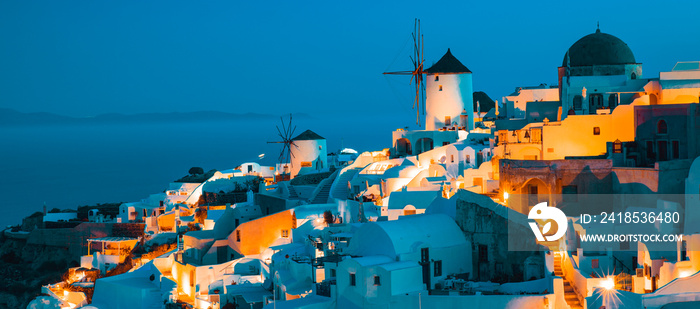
[653, 100]
[403, 147]
[423, 145]
[532, 192]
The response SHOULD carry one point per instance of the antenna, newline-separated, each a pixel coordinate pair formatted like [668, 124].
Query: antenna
[285, 135]
[417, 73]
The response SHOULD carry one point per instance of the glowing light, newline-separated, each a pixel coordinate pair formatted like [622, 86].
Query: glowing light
[684, 274]
[505, 195]
[608, 284]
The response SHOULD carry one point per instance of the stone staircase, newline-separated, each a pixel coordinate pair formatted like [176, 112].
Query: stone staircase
[292, 192]
[323, 191]
[339, 189]
[569, 294]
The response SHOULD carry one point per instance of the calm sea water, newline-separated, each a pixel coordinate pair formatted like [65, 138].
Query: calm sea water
[66, 166]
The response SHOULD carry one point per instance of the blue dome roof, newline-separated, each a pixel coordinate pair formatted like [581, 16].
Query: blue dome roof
[599, 49]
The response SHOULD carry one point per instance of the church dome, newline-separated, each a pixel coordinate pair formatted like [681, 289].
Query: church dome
[599, 49]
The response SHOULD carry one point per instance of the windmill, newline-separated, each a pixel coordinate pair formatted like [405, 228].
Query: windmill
[286, 154]
[417, 73]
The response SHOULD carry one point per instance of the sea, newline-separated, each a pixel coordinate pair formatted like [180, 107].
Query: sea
[69, 165]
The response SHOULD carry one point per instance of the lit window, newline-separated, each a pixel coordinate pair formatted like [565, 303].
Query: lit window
[452, 158]
[440, 88]
[596, 130]
[376, 280]
[594, 263]
[437, 78]
[320, 147]
[617, 146]
[285, 233]
[238, 236]
[448, 120]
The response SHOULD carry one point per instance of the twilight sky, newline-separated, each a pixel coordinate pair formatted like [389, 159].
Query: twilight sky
[84, 58]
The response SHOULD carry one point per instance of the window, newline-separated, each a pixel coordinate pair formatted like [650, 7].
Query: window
[468, 159]
[445, 143]
[440, 89]
[578, 102]
[536, 135]
[376, 280]
[437, 78]
[320, 147]
[352, 279]
[332, 272]
[237, 222]
[675, 150]
[408, 212]
[650, 150]
[238, 235]
[595, 101]
[661, 127]
[684, 251]
[448, 121]
[452, 158]
[633, 75]
[596, 130]
[594, 263]
[483, 253]
[612, 100]
[617, 146]
[424, 255]
[285, 233]
[663, 150]
[437, 268]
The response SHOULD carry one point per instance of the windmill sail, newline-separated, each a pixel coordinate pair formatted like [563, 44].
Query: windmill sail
[285, 134]
[417, 60]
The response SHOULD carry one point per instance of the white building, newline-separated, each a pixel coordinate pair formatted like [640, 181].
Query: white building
[433, 240]
[309, 153]
[516, 103]
[373, 281]
[599, 72]
[448, 92]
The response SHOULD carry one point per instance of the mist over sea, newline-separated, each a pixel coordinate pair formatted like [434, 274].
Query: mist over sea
[66, 165]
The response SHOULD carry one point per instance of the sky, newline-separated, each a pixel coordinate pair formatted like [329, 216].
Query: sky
[83, 58]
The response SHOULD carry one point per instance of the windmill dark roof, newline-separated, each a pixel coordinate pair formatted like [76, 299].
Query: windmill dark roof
[307, 136]
[448, 64]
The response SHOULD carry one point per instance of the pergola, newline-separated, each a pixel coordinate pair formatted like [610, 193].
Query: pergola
[125, 242]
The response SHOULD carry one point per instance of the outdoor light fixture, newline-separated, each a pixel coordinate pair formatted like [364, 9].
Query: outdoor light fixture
[607, 284]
